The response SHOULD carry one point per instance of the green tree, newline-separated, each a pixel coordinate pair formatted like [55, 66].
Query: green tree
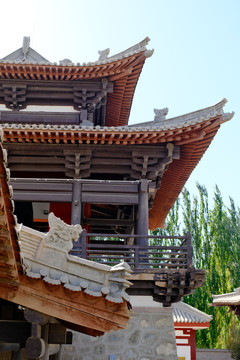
[216, 248]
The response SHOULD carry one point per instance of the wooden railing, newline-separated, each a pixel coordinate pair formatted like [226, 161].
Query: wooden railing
[171, 252]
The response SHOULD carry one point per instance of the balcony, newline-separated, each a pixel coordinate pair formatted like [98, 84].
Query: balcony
[162, 269]
[111, 249]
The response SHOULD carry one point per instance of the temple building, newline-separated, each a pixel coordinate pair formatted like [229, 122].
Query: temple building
[232, 300]
[71, 152]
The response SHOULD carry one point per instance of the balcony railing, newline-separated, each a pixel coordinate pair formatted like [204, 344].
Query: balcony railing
[170, 252]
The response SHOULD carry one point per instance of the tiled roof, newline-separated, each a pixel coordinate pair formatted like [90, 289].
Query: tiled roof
[189, 119]
[232, 298]
[123, 69]
[192, 132]
[27, 55]
[184, 313]
[183, 129]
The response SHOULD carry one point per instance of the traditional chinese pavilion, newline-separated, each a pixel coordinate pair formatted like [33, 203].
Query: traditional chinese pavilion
[89, 167]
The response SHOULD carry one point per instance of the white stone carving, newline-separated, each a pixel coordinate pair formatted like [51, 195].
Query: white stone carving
[45, 256]
[103, 54]
[60, 234]
[25, 46]
[149, 53]
[160, 114]
[86, 123]
[66, 62]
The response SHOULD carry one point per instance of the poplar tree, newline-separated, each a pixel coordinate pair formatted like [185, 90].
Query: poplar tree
[215, 236]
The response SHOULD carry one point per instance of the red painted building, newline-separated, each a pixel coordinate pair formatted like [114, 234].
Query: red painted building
[188, 320]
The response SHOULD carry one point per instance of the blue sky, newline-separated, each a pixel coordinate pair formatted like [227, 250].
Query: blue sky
[195, 64]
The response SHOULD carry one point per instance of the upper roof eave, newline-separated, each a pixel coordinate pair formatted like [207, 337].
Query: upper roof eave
[123, 69]
[17, 58]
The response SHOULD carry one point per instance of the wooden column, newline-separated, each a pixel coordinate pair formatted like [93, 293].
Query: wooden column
[142, 221]
[76, 203]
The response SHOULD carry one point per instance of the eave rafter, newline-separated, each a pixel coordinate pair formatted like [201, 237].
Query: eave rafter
[58, 72]
[107, 135]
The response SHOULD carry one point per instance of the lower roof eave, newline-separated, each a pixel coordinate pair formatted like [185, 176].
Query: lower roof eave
[80, 309]
[194, 326]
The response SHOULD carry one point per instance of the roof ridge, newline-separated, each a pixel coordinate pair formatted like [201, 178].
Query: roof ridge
[27, 55]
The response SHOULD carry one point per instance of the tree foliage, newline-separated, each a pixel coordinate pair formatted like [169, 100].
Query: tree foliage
[216, 248]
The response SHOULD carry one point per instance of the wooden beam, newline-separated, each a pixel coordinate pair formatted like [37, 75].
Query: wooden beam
[142, 217]
[44, 196]
[110, 198]
[35, 160]
[76, 308]
[110, 187]
[110, 222]
[41, 185]
[14, 331]
[76, 203]
[36, 117]
[41, 168]
[57, 334]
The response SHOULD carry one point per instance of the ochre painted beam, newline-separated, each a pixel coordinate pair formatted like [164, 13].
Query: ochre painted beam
[74, 307]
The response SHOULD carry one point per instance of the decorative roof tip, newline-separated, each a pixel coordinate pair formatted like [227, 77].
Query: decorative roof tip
[103, 54]
[148, 53]
[144, 42]
[160, 114]
[66, 62]
[25, 46]
[141, 46]
[25, 55]
[221, 104]
[228, 116]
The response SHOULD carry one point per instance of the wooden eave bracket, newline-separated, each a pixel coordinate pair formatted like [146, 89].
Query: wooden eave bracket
[171, 286]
